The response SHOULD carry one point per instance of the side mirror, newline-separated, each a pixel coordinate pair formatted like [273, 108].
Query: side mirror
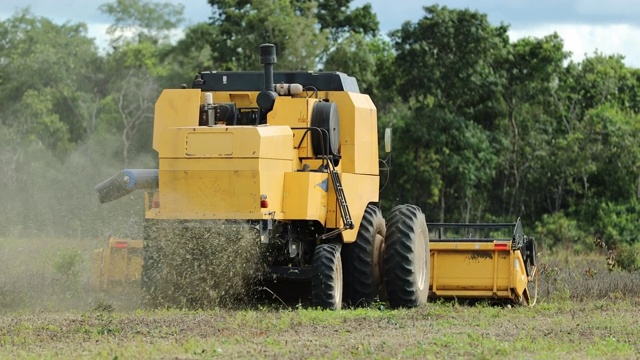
[387, 140]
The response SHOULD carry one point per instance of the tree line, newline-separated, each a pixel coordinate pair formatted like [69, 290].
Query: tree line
[486, 128]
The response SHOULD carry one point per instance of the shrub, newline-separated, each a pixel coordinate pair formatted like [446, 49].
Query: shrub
[627, 258]
[556, 229]
[67, 265]
[617, 224]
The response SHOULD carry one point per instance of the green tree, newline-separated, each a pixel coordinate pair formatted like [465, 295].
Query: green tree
[446, 167]
[141, 21]
[366, 59]
[445, 72]
[192, 54]
[449, 57]
[531, 68]
[302, 30]
[337, 17]
[55, 62]
[136, 67]
[241, 26]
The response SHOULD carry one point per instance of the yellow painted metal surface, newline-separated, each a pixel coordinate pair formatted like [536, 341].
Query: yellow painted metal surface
[358, 132]
[221, 172]
[477, 270]
[360, 190]
[305, 196]
[271, 142]
[295, 113]
[119, 263]
[222, 193]
[174, 108]
[209, 144]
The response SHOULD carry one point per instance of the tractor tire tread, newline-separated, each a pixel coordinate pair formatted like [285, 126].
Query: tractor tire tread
[399, 257]
[363, 290]
[324, 280]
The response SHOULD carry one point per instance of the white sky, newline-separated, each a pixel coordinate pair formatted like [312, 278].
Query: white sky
[611, 27]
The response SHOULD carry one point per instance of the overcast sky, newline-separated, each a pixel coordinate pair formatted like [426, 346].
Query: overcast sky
[611, 27]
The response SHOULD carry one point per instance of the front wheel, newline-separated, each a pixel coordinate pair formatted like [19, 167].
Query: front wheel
[406, 257]
[326, 283]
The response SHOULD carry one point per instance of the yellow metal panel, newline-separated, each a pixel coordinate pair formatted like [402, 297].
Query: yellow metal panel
[475, 294]
[202, 194]
[274, 142]
[174, 108]
[209, 144]
[464, 246]
[360, 190]
[231, 164]
[358, 132]
[220, 188]
[470, 270]
[294, 112]
[305, 196]
[477, 270]
[520, 273]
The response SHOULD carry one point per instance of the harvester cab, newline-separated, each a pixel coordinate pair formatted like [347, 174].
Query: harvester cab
[292, 154]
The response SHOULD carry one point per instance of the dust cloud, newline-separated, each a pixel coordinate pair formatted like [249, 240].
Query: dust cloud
[51, 222]
[203, 264]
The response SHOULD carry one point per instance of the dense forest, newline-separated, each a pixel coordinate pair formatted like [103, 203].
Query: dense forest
[486, 128]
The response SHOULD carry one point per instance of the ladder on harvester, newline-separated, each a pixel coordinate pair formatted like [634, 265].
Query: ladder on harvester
[347, 221]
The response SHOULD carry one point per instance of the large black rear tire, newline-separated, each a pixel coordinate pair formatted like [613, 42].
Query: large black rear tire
[406, 257]
[326, 282]
[363, 260]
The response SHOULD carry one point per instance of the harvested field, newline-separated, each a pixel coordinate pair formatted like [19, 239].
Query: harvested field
[596, 329]
[47, 310]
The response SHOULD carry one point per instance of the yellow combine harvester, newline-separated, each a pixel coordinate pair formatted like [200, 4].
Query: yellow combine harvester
[291, 156]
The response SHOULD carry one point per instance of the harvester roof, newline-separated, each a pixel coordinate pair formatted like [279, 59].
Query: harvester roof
[254, 80]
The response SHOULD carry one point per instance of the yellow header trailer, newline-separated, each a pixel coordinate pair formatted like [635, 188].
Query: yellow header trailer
[476, 261]
[117, 265]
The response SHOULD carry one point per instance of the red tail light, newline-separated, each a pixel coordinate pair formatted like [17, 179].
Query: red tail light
[155, 204]
[501, 246]
[263, 201]
[120, 245]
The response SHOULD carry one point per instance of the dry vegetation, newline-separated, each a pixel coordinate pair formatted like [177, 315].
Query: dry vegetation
[48, 310]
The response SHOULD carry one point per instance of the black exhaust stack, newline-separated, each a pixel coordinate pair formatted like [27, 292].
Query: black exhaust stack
[267, 97]
[268, 58]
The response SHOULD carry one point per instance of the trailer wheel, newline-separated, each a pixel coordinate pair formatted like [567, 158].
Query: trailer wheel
[362, 259]
[326, 282]
[406, 257]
